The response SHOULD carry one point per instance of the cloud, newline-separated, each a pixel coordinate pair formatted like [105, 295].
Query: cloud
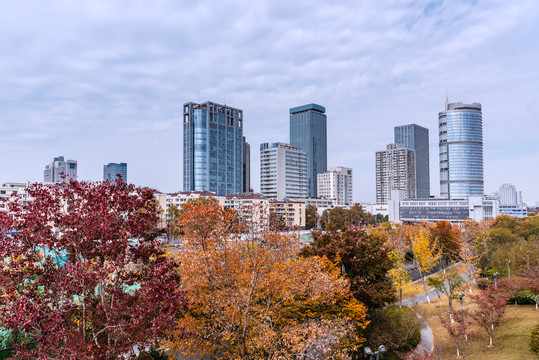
[103, 81]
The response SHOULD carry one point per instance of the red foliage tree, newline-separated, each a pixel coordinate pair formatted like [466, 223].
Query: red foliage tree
[80, 271]
[491, 306]
[448, 239]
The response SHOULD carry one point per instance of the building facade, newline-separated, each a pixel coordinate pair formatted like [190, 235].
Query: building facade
[461, 151]
[308, 132]
[213, 148]
[60, 170]
[283, 171]
[336, 184]
[395, 170]
[293, 212]
[508, 194]
[246, 166]
[416, 137]
[112, 170]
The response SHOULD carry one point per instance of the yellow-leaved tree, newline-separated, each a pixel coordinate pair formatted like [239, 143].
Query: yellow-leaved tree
[425, 255]
[254, 297]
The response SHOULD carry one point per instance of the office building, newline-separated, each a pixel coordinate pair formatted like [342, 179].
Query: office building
[416, 137]
[213, 148]
[60, 170]
[112, 170]
[477, 208]
[395, 170]
[308, 132]
[283, 171]
[508, 194]
[246, 166]
[461, 151]
[336, 184]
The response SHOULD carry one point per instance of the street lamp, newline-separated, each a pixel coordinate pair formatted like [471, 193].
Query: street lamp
[509, 267]
[528, 253]
[368, 352]
[495, 275]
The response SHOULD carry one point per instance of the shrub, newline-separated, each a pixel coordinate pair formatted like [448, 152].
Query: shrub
[524, 297]
[397, 328]
[483, 283]
[534, 341]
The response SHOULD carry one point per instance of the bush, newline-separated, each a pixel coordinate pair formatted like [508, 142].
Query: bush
[397, 328]
[483, 283]
[534, 341]
[524, 297]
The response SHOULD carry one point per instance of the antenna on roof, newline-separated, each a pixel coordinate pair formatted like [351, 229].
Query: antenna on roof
[446, 100]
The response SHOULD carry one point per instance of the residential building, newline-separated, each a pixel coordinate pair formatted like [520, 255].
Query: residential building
[508, 194]
[12, 188]
[395, 170]
[336, 184]
[293, 212]
[213, 148]
[112, 170]
[283, 171]
[461, 150]
[60, 170]
[511, 201]
[308, 132]
[416, 137]
[252, 209]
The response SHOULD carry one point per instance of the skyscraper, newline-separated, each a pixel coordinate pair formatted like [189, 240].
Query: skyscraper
[213, 148]
[60, 170]
[283, 171]
[246, 166]
[336, 184]
[111, 170]
[308, 132]
[461, 150]
[508, 194]
[395, 170]
[416, 137]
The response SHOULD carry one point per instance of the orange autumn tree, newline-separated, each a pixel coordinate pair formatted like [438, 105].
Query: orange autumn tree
[257, 298]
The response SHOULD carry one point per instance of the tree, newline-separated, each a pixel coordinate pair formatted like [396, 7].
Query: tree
[254, 297]
[457, 331]
[491, 306]
[447, 283]
[277, 222]
[399, 274]
[364, 258]
[447, 237]
[81, 274]
[172, 222]
[311, 217]
[340, 218]
[424, 255]
[470, 250]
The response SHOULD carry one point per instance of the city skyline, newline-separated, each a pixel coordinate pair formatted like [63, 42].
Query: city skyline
[98, 81]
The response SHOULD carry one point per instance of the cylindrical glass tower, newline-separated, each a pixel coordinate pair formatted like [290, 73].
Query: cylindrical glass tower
[461, 151]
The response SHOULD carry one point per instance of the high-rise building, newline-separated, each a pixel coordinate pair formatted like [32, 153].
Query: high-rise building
[416, 137]
[308, 132]
[336, 184]
[283, 171]
[461, 150]
[112, 170]
[508, 194]
[246, 166]
[213, 148]
[60, 170]
[395, 170]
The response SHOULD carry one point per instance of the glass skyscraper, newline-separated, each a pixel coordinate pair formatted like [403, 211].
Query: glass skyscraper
[213, 148]
[416, 137]
[461, 151]
[111, 170]
[308, 132]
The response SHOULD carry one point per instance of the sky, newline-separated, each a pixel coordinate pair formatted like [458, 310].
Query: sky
[105, 81]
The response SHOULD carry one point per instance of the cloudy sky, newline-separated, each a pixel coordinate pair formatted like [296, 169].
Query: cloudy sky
[104, 81]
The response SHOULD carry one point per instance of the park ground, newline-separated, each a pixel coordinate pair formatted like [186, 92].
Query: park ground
[511, 340]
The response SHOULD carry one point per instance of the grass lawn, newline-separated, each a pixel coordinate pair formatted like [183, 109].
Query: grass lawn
[511, 340]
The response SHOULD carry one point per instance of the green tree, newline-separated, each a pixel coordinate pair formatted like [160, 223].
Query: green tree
[447, 283]
[311, 217]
